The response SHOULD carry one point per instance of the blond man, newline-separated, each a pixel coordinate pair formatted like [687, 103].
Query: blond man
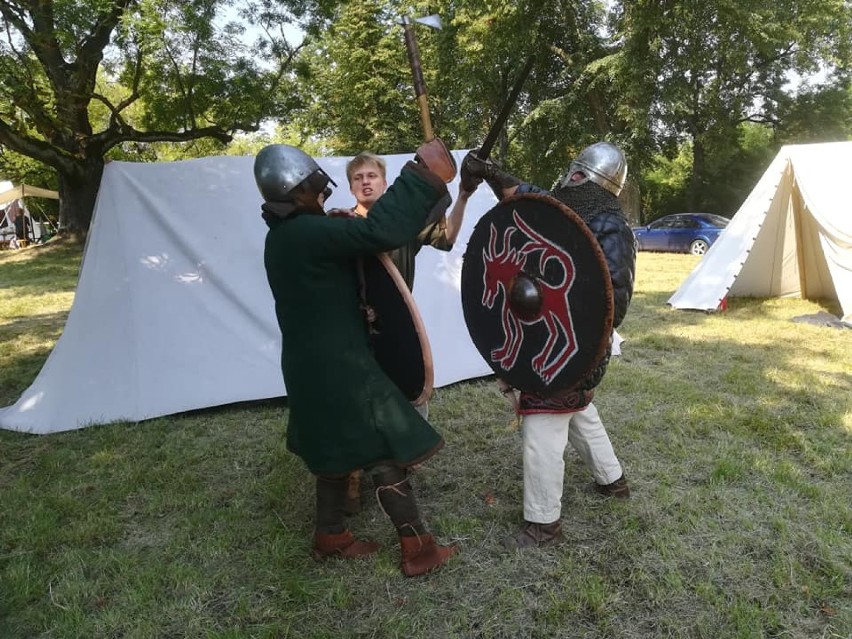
[367, 176]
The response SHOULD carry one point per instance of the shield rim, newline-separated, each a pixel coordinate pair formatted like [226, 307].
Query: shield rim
[419, 328]
[598, 253]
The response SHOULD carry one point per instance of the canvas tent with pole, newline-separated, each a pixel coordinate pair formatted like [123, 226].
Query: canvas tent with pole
[13, 204]
[173, 312]
[791, 237]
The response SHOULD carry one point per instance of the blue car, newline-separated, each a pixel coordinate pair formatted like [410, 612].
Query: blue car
[682, 233]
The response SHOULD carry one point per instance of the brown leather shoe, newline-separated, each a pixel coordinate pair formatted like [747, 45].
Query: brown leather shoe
[532, 534]
[618, 489]
[420, 554]
[341, 545]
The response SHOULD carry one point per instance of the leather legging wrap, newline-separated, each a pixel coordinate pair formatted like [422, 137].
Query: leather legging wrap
[396, 497]
[393, 490]
[331, 503]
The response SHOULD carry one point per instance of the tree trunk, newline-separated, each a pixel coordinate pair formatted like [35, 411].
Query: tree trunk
[697, 179]
[77, 194]
[631, 203]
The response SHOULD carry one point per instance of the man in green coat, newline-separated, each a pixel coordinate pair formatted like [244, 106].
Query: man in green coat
[345, 414]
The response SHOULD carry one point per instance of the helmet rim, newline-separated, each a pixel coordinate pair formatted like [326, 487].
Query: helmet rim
[280, 168]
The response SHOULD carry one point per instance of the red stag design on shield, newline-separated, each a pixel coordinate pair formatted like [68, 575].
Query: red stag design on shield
[501, 268]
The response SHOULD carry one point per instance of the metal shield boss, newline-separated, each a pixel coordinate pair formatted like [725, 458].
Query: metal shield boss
[536, 294]
[397, 334]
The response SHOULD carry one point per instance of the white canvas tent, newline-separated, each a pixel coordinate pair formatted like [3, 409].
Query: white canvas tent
[791, 237]
[172, 310]
[13, 203]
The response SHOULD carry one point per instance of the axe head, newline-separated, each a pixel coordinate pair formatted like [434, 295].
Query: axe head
[433, 21]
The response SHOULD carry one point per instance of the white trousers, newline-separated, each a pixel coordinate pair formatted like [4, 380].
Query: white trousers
[545, 437]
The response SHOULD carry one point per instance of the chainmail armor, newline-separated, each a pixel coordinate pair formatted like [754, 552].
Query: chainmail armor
[601, 211]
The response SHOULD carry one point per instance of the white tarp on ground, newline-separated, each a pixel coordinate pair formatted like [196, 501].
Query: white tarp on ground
[791, 237]
[172, 310]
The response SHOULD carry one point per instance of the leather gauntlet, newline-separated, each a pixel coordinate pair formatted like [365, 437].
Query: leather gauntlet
[435, 156]
[473, 167]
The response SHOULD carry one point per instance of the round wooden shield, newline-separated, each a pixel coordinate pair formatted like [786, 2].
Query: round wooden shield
[398, 336]
[536, 294]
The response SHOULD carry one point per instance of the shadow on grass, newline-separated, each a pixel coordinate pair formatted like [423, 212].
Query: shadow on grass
[52, 267]
[52, 324]
[26, 343]
[733, 429]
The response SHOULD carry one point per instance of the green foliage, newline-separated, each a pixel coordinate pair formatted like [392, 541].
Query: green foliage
[817, 114]
[568, 101]
[361, 93]
[19, 169]
[665, 183]
[696, 71]
[23, 170]
[666, 180]
[162, 80]
[79, 80]
[359, 85]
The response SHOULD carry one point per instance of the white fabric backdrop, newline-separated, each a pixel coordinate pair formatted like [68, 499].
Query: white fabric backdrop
[172, 310]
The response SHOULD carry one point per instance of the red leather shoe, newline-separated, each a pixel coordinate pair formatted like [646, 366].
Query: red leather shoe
[420, 554]
[341, 545]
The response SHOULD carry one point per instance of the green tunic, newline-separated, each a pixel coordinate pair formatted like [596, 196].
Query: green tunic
[345, 413]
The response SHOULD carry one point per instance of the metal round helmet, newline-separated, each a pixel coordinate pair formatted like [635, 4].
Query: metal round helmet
[602, 163]
[279, 168]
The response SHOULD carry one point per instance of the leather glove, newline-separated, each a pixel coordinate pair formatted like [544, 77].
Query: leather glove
[469, 181]
[492, 173]
[435, 156]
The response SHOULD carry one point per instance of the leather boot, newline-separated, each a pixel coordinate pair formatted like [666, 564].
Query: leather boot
[342, 545]
[534, 535]
[618, 489]
[331, 538]
[420, 554]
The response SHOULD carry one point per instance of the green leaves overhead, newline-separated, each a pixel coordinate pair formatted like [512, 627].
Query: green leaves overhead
[695, 72]
[81, 79]
[358, 85]
[680, 85]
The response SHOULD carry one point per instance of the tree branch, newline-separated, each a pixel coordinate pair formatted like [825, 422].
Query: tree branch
[113, 137]
[42, 39]
[22, 91]
[35, 148]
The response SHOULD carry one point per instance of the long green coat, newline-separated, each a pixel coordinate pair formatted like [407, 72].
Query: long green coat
[345, 413]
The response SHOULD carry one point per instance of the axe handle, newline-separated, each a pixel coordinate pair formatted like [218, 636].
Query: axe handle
[419, 83]
[497, 127]
[425, 120]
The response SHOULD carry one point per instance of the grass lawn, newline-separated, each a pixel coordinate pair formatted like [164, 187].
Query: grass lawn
[734, 429]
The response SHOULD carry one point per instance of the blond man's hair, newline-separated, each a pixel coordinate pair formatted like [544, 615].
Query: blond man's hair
[365, 157]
